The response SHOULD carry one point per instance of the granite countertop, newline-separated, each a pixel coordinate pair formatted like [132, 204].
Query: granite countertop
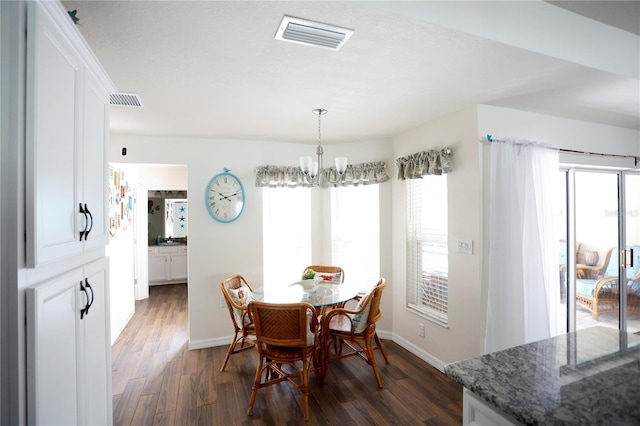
[591, 376]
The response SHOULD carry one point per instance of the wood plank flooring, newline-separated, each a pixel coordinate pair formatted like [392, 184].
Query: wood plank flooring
[158, 381]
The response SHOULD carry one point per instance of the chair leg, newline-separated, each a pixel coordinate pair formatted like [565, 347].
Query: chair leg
[372, 359]
[230, 351]
[256, 385]
[304, 388]
[379, 343]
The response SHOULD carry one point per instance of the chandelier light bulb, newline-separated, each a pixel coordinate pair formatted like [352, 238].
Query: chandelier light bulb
[313, 170]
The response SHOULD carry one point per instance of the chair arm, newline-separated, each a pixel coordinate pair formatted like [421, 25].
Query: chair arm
[602, 282]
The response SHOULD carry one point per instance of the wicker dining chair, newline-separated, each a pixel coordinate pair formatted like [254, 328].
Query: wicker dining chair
[330, 272]
[329, 275]
[286, 340]
[355, 329]
[236, 292]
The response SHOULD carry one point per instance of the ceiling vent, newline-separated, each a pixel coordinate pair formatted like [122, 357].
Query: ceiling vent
[312, 33]
[126, 99]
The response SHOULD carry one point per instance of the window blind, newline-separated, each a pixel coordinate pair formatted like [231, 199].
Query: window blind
[355, 233]
[286, 235]
[427, 248]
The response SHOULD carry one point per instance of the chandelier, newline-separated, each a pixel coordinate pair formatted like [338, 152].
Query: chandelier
[313, 171]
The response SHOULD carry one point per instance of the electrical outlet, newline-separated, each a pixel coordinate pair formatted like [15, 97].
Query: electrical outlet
[223, 303]
[465, 246]
[420, 329]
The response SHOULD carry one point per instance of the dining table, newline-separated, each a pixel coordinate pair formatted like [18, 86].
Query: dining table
[320, 295]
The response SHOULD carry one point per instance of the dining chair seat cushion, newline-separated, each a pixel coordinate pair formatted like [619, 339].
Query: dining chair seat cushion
[341, 324]
[360, 320]
[283, 352]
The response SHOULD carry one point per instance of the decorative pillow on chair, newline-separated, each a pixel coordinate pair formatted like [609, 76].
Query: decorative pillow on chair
[329, 277]
[360, 320]
[240, 296]
[591, 258]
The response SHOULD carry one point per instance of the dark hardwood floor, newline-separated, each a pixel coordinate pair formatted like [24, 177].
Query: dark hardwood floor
[157, 380]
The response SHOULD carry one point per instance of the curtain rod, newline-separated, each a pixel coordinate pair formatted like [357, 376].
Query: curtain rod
[573, 151]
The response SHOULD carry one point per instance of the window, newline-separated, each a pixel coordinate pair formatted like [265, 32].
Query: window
[286, 231]
[355, 232]
[427, 252]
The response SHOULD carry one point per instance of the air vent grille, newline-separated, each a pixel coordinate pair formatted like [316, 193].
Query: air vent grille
[126, 99]
[312, 33]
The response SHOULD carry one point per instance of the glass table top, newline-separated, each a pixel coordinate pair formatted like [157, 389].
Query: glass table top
[321, 295]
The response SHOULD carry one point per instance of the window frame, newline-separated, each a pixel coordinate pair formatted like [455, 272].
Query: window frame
[421, 243]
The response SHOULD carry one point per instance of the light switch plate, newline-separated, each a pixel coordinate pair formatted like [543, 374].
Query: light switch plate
[465, 246]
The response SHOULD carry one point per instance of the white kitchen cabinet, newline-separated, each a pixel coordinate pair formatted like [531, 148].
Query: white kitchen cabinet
[68, 354]
[168, 265]
[67, 113]
[68, 350]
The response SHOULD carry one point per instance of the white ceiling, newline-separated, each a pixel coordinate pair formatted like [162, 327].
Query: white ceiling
[214, 69]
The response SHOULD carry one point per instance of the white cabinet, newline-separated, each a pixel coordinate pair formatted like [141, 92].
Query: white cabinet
[168, 265]
[477, 412]
[68, 350]
[67, 116]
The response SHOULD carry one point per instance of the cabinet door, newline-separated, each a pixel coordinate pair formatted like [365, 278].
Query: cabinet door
[158, 267]
[95, 340]
[54, 87]
[94, 161]
[52, 347]
[178, 267]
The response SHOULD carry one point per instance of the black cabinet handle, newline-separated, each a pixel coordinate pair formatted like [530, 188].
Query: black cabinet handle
[87, 285]
[86, 305]
[86, 233]
[86, 222]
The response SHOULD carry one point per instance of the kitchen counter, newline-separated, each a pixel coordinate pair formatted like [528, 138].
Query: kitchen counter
[591, 376]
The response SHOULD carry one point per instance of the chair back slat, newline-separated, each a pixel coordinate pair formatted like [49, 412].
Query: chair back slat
[282, 324]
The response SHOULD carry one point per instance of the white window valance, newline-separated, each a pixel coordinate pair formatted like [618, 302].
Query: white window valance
[292, 177]
[430, 162]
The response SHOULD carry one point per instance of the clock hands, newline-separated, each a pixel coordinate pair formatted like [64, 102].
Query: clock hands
[228, 197]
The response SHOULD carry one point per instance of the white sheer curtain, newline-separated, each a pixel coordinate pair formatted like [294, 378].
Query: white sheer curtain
[523, 280]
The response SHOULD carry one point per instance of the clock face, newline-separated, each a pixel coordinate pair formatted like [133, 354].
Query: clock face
[225, 197]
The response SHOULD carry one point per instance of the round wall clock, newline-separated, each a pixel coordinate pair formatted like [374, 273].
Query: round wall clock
[225, 197]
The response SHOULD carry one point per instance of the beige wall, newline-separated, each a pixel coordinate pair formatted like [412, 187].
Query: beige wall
[461, 339]
[218, 250]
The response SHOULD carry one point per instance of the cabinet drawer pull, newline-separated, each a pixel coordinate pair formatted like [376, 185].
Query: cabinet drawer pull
[86, 222]
[86, 233]
[87, 285]
[86, 304]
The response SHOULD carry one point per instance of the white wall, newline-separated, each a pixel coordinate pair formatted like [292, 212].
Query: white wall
[218, 250]
[461, 339]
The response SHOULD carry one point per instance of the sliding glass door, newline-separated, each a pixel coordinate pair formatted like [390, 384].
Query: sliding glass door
[631, 254]
[599, 249]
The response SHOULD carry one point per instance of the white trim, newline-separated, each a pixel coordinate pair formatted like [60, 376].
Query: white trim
[210, 343]
[425, 356]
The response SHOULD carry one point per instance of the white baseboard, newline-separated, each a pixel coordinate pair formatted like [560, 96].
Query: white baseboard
[210, 343]
[425, 356]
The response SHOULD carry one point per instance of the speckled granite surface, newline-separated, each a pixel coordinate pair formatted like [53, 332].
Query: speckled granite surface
[588, 377]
